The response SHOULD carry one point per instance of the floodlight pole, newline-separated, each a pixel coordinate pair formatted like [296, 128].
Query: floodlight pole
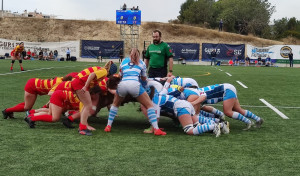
[2, 9]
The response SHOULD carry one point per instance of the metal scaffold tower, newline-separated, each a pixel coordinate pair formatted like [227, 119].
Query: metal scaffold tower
[130, 35]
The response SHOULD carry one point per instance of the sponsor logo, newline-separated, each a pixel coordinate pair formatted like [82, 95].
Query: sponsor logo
[91, 48]
[284, 51]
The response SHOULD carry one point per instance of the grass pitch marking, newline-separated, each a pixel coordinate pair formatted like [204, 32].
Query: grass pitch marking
[228, 74]
[205, 74]
[243, 85]
[48, 68]
[274, 109]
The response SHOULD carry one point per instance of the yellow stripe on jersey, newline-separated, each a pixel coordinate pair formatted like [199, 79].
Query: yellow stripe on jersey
[101, 73]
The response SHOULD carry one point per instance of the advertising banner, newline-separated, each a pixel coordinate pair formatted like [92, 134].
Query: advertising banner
[6, 46]
[224, 51]
[106, 49]
[188, 51]
[279, 53]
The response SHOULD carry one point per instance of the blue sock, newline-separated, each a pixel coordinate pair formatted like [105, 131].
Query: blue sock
[249, 114]
[152, 117]
[240, 117]
[206, 114]
[199, 129]
[217, 112]
[203, 119]
[112, 114]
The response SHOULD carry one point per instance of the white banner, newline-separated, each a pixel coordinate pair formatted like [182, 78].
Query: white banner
[6, 46]
[275, 51]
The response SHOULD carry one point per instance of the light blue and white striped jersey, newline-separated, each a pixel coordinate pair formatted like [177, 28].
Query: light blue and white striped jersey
[184, 95]
[214, 93]
[164, 101]
[130, 71]
[184, 82]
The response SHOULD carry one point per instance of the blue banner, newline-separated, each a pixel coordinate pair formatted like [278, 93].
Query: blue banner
[95, 48]
[131, 17]
[224, 51]
[187, 51]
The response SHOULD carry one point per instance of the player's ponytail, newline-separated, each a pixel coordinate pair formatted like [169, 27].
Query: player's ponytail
[135, 56]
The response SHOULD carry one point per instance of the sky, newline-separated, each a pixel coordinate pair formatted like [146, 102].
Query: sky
[152, 10]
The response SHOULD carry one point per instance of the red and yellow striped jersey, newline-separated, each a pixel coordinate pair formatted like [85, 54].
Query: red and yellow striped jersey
[71, 101]
[100, 73]
[18, 49]
[45, 85]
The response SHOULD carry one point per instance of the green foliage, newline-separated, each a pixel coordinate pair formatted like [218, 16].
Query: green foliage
[286, 27]
[51, 149]
[241, 16]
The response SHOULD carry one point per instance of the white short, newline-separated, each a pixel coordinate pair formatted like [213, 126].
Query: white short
[182, 107]
[187, 82]
[133, 88]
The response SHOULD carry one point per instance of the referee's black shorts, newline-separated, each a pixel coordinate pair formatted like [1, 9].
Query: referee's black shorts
[157, 72]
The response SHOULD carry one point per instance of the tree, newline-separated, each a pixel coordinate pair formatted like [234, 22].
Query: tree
[196, 12]
[241, 16]
[246, 15]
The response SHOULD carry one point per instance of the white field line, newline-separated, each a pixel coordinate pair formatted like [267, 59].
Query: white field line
[243, 85]
[228, 74]
[253, 106]
[274, 109]
[35, 70]
[220, 70]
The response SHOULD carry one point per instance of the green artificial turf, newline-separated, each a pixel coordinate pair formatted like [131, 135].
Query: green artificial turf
[52, 149]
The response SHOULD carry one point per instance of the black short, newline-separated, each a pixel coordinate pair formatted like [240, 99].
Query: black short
[157, 72]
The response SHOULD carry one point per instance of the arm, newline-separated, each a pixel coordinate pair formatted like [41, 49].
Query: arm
[147, 62]
[89, 80]
[199, 100]
[170, 67]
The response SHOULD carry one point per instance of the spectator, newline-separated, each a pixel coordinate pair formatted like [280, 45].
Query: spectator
[157, 56]
[247, 61]
[68, 53]
[133, 8]
[41, 57]
[182, 59]
[291, 58]
[99, 56]
[230, 62]
[259, 60]
[55, 55]
[137, 8]
[45, 55]
[236, 61]
[51, 55]
[268, 61]
[124, 7]
[221, 25]
[213, 55]
[28, 54]
[121, 55]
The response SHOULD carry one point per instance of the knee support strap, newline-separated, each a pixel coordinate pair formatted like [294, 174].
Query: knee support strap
[20, 61]
[187, 128]
[13, 61]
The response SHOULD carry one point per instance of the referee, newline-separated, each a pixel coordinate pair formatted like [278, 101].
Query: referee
[158, 55]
